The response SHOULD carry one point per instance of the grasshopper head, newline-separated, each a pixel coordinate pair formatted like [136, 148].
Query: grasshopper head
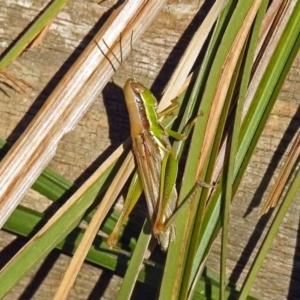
[139, 93]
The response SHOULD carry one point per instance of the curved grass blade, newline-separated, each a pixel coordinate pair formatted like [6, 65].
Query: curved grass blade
[45, 17]
[266, 96]
[270, 235]
[57, 228]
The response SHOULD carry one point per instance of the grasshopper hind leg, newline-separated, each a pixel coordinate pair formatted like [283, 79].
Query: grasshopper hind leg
[134, 192]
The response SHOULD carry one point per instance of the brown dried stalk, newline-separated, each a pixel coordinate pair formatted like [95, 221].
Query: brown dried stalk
[68, 102]
[284, 175]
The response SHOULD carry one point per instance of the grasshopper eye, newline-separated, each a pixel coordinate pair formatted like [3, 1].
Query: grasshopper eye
[137, 87]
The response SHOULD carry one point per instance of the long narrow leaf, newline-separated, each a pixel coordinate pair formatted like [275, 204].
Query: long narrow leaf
[48, 14]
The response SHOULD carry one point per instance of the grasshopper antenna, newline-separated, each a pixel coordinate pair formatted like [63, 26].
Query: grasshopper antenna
[105, 55]
[116, 58]
[131, 55]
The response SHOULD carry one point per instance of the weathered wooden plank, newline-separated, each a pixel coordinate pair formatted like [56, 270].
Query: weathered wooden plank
[105, 126]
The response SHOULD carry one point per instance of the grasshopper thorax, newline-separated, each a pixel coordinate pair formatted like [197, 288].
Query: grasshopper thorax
[141, 105]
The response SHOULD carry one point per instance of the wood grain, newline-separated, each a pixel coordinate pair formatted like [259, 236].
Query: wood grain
[105, 125]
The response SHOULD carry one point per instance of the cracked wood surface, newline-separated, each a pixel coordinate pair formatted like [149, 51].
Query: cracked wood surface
[105, 126]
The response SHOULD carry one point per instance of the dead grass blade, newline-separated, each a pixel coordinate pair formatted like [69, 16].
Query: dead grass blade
[68, 102]
[178, 82]
[15, 81]
[224, 83]
[90, 233]
[38, 39]
[268, 38]
[284, 175]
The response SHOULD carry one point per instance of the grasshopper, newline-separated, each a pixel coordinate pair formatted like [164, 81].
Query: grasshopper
[156, 162]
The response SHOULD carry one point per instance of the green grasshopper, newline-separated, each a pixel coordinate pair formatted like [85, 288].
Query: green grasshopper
[156, 162]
